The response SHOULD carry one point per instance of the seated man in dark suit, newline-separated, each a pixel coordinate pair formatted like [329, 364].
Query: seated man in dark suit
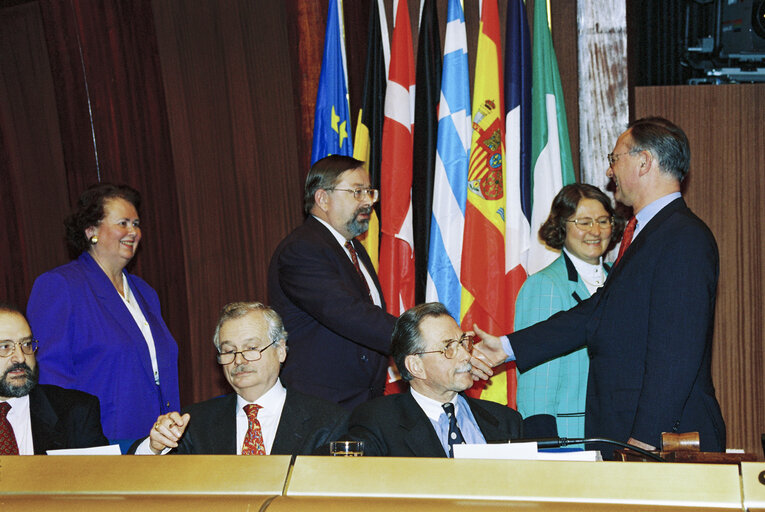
[37, 418]
[261, 417]
[433, 354]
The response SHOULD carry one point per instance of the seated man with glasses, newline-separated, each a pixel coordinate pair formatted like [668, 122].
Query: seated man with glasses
[261, 417]
[433, 354]
[37, 418]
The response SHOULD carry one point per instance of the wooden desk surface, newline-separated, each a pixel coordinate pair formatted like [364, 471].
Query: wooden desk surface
[640, 484]
[229, 482]
[753, 485]
[142, 475]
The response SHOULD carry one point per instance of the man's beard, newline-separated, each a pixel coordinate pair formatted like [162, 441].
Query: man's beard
[9, 390]
[356, 227]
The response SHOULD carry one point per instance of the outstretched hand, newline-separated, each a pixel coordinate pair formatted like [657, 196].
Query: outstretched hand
[487, 353]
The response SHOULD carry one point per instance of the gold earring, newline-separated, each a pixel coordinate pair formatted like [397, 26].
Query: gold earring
[94, 239]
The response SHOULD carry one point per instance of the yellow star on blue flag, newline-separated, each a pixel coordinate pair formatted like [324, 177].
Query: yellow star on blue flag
[332, 120]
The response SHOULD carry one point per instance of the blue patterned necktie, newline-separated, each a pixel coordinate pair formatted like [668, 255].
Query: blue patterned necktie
[455, 436]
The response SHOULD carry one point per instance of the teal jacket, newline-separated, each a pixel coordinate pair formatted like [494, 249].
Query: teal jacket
[558, 387]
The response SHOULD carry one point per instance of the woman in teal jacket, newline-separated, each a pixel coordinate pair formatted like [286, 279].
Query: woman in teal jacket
[582, 223]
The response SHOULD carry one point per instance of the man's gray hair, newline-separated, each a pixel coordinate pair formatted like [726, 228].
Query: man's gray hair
[234, 310]
[666, 141]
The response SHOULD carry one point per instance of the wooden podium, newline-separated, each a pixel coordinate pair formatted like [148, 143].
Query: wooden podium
[228, 482]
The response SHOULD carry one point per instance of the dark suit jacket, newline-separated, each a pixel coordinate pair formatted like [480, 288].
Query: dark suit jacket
[339, 340]
[90, 341]
[648, 332]
[396, 426]
[306, 425]
[64, 418]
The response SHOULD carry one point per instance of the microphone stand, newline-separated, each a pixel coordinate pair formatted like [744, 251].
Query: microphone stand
[560, 442]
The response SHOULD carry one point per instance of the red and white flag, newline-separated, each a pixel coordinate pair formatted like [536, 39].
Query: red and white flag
[396, 244]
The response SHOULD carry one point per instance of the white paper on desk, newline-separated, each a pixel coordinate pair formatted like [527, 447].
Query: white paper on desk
[517, 451]
[112, 449]
[580, 455]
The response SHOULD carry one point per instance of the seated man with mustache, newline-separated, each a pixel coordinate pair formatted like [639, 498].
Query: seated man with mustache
[261, 416]
[37, 418]
[433, 354]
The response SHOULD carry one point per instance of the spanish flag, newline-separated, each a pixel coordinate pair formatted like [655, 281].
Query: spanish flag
[486, 287]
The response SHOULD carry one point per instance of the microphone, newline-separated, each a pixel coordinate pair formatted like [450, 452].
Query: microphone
[560, 442]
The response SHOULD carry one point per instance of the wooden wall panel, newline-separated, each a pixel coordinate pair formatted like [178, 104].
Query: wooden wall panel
[725, 187]
[229, 88]
[33, 191]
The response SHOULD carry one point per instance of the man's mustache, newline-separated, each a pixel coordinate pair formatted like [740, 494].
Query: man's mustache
[364, 210]
[240, 369]
[19, 366]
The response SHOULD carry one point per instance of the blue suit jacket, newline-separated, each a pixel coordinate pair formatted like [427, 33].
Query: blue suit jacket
[339, 340]
[89, 341]
[648, 332]
[557, 387]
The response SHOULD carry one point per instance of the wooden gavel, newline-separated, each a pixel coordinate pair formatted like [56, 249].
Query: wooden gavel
[686, 442]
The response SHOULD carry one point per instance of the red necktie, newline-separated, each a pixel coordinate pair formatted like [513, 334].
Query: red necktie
[355, 259]
[629, 231]
[8, 444]
[253, 439]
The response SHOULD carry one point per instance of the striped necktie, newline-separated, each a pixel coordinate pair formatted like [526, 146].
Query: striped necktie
[355, 259]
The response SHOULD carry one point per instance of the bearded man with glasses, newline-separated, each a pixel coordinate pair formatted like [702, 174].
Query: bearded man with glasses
[261, 417]
[37, 418]
[323, 284]
[433, 355]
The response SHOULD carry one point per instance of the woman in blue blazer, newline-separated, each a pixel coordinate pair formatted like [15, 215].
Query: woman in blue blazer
[582, 223]
[101, 328]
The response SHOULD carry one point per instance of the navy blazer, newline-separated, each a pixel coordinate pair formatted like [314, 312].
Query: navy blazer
[64, 418]
[396, 426]
[89, 341]
[307, 425]
[648, 332]
[338, 339]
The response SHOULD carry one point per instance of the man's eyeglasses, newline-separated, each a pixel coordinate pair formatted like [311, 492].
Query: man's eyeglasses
[8, 347]
[359, 194]
[451, 347]
[586, 223]
[250, 354]
[614, 157]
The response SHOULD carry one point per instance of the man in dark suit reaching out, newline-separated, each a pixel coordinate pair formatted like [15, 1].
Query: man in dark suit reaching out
[433, 354]
[648, 331]
[261, 417]
[37, 418]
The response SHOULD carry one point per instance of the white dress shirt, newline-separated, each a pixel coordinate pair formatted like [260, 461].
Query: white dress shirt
[271, 403]
[21, 422]
[135, 311]
[370, 282]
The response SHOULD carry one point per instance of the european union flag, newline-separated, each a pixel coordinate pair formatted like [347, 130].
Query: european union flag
[332, 132]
